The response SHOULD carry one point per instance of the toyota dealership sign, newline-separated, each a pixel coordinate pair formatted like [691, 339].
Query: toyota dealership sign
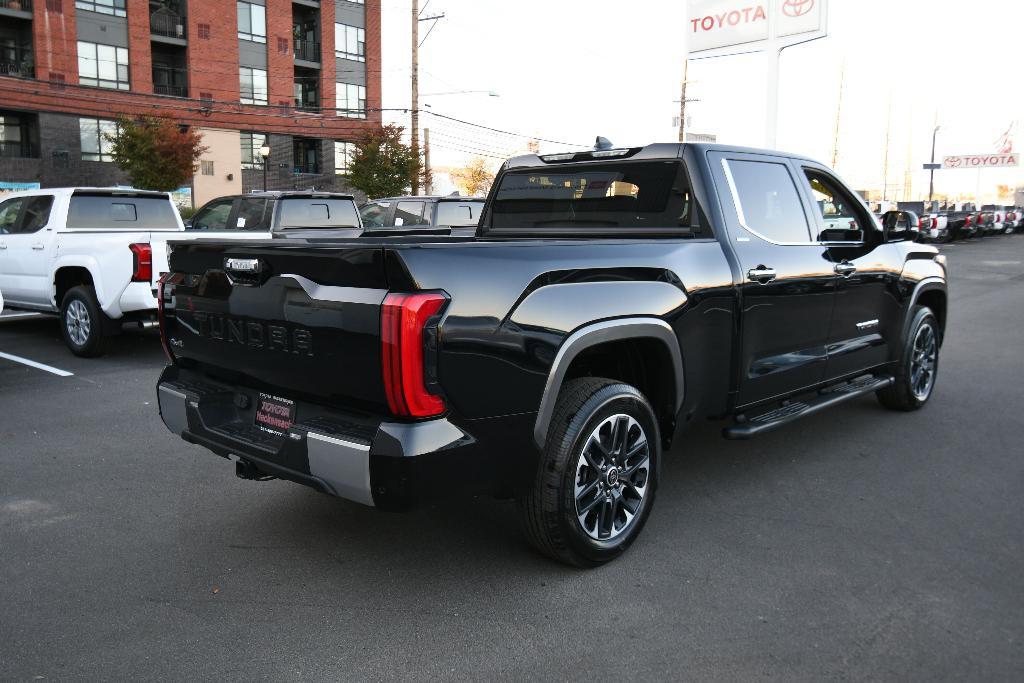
[995, 160]
[718, 25]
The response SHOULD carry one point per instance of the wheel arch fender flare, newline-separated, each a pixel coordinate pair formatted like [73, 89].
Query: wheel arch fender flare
[930, 284]
[83, 262]
[599, 333]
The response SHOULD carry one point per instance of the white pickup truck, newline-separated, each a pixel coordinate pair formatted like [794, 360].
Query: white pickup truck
[92, 255]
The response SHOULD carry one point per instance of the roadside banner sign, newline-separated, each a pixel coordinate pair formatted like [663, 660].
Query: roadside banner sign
[975, 161]
[719, 25]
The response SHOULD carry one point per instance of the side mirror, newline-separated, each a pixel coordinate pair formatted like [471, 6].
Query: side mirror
[901, 226]
[188, 224]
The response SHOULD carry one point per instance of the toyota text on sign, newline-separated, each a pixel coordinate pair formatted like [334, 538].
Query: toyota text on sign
[721, 23]
[981, 161]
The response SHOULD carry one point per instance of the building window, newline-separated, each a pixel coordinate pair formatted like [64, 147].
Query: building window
[206, 167]
[351, 100]
[114, 7]
[307, 157]
[251, 143]
[102, 66]
[349, 42]
[93, 134]
[253, 85]
[204, 31]
[343, 156]
[252, 22]
[18, 135]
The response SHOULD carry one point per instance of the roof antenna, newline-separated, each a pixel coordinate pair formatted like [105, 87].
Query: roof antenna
[602, 144]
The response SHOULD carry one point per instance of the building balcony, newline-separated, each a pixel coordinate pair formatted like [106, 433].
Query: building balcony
[164, 23]
[22, 68]
[307, 51]
[168, 80]
[17, 5]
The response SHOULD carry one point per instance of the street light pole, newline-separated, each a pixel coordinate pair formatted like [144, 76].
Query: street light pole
[931, 171]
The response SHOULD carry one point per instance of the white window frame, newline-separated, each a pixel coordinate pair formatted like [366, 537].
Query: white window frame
[255, 142]
[96, 130]
[112, 7]
[349, 42]
[103, 66]
[257, 77]
[345, 93]
[257, 15]
[343, 152]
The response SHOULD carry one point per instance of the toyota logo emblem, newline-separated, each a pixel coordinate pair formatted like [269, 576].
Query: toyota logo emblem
[797, 8]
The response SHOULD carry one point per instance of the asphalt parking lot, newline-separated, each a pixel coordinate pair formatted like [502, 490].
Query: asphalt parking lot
[856, 544]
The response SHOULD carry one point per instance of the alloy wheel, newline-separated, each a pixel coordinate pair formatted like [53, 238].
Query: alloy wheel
[924, 364]
[78, 323]
[612, 474]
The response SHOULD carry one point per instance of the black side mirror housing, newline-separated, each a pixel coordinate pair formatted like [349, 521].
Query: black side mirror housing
[901, 226]
[188, 224]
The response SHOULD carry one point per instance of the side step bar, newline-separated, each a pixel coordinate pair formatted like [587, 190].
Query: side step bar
[745, 428]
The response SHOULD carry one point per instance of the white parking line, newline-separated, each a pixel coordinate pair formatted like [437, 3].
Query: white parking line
[38, 366]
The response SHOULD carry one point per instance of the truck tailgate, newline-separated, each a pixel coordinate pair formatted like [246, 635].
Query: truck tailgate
[297, 320]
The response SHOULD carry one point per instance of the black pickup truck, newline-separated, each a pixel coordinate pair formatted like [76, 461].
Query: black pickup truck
[608, 299]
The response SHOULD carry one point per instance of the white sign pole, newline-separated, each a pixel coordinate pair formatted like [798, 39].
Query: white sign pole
[719, 28]
[773, 55]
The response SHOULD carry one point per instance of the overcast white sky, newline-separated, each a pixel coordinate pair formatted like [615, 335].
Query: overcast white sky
[569, 70]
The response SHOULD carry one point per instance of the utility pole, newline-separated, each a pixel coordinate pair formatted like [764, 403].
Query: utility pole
[682, 102]
[839, 113]
[885, 163]
[416, 91]
[428, 177]
[931, 171]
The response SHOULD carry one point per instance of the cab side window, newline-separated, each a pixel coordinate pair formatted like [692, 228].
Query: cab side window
[9, 211]
[374, 215]
[410, 213]
[841, 218]
[36, 214]
[767, 200]
[251, 214]
[213, 216]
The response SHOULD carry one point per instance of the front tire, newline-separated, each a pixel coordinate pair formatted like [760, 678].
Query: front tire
[597, 477]
[83, 322]
[918, 366]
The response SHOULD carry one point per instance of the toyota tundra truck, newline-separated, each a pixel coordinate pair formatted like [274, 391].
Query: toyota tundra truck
[607, 300]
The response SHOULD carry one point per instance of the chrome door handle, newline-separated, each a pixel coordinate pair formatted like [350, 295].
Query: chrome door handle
[846, 269]
[761, 274]
[3, 245]
[39, 247]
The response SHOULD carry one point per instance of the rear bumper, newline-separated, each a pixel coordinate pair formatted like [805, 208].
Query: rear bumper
[353, 457]
[136, 297]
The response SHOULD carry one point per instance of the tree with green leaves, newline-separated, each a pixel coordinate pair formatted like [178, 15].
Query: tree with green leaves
[156, 153]
[381, 164]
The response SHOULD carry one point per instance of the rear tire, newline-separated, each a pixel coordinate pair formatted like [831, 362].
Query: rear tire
[83, 322]
[918, 366]
[596, 479]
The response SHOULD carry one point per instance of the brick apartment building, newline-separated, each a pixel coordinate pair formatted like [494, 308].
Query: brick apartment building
[301, 76]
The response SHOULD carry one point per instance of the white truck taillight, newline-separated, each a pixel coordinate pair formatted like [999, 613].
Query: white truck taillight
[142, 262]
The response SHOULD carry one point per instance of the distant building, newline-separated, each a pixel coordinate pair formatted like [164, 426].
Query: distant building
[302, 77]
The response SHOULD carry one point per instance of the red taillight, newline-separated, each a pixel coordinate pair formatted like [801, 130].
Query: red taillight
[404, 319]
[142, 262]
[935, 222]
[161, 286]
[967, 221]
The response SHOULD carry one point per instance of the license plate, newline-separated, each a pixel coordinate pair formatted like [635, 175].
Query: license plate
[275, 414]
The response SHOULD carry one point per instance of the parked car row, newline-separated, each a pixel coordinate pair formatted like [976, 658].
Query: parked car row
[964, 221]
[94, 255]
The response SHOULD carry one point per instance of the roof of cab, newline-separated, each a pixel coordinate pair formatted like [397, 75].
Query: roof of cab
[653, 151]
